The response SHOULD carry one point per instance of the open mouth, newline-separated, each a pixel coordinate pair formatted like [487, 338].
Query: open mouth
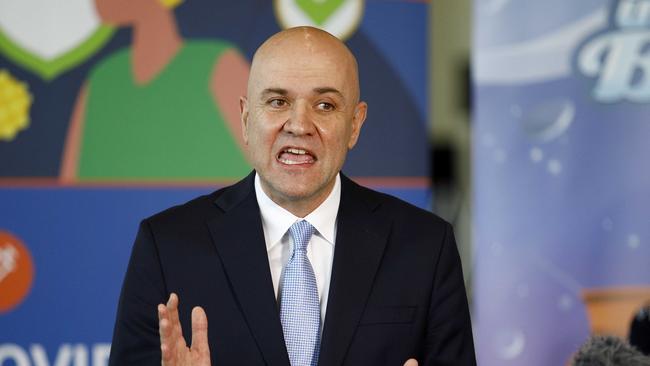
[295, 156]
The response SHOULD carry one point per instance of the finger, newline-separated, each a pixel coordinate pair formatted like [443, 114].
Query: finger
[172, 310]
[164, 329]
[200, 333]
[163, 322]
[411, 362]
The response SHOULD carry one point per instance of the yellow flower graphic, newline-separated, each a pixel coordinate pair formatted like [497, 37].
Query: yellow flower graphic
[15, 102]
[171, 3]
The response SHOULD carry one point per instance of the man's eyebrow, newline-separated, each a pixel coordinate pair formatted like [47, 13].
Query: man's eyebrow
[327, 89]
[280, 91]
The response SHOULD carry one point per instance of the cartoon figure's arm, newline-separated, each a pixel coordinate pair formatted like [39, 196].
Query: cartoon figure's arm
[71, 150]
[228, 83]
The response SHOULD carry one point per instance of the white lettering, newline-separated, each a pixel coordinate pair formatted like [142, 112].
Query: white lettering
[13, 352]
[633, 13]
[63, 356]
[8, 257]
[101, 351]
[67, 355]
[80, 355]
[622, 68]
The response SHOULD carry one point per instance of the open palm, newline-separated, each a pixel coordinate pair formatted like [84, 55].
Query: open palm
[175, 351]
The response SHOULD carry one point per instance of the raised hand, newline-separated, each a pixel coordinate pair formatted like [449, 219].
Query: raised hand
[175, 351]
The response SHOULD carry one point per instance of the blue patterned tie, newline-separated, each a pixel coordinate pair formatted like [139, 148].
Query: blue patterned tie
[299, 306]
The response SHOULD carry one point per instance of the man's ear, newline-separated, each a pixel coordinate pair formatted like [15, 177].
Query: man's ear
[359, 117]
[243, 112]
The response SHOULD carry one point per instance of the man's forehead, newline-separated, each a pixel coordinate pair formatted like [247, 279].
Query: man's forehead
[302, 57]
[299, 60]
[291, 81]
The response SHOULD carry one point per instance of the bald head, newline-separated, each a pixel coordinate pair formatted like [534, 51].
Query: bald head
[300, 47]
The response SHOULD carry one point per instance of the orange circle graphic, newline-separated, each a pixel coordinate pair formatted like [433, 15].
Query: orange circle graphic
[16, 271]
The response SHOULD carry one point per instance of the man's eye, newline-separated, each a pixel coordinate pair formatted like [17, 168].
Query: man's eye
[324, 106]
[278, 103]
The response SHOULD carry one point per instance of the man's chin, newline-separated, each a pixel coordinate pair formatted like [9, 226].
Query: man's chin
[296, 192]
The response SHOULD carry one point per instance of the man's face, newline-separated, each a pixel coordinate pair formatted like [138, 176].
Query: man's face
[301, 117]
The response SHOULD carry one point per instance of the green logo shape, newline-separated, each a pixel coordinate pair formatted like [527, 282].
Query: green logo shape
[49, 69]
[319, 10]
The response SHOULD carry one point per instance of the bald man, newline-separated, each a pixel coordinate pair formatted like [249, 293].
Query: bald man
[387, 278]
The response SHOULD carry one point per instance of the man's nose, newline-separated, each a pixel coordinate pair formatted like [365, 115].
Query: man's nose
[300, 120]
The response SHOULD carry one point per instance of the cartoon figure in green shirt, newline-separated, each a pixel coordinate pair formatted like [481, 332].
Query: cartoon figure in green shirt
[163, 110]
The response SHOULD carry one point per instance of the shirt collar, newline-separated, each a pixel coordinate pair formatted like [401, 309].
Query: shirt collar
[276, 221]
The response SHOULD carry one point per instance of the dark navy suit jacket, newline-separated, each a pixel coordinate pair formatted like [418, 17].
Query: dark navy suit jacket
[396, 288]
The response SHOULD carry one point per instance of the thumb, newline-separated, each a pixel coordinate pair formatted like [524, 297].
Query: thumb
[411, 362]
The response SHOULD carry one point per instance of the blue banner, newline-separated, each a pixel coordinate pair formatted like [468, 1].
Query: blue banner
[562, 186]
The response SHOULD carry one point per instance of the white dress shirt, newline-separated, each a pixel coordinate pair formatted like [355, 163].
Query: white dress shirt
[276, 222]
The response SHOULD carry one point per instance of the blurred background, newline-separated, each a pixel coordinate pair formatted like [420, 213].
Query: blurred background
[525, 124]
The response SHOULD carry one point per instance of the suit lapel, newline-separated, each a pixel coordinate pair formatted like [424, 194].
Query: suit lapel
[239, 239]
[361, 238]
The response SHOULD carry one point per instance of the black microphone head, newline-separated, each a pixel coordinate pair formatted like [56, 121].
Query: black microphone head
[640, 330]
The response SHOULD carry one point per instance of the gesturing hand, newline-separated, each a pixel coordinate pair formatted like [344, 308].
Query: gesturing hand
[175, 351]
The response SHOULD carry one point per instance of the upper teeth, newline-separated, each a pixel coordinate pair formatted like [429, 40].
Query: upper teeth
[296, 151]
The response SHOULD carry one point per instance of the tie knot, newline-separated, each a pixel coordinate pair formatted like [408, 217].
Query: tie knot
[301, 232]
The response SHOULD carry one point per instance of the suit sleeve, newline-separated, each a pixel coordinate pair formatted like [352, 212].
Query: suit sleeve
[448, 339]
[135, 338]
